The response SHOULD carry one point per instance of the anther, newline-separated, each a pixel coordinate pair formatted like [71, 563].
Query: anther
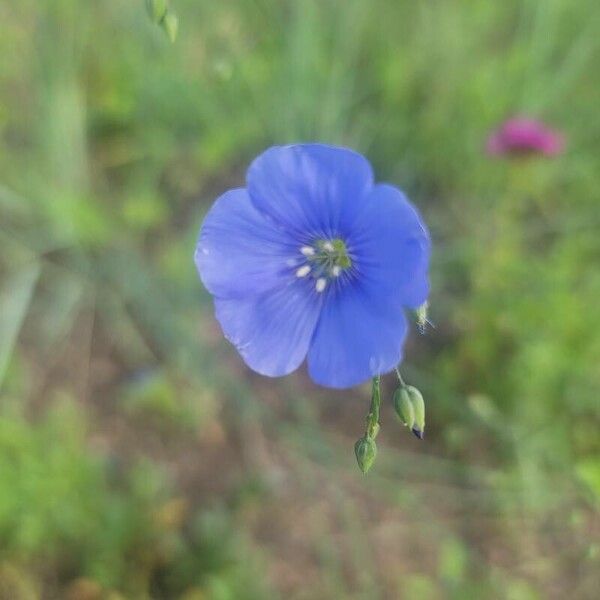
[303, 271]
[307, 250]
[321, 283]
[336, 270]
[328, 246]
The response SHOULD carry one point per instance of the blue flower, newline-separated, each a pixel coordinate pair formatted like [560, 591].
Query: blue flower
[313, 260]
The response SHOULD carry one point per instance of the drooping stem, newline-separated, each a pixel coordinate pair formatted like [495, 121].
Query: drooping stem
[373, 416]
[402, 382]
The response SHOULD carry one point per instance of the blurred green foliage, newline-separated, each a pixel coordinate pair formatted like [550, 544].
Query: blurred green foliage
[105, 528]
[114, 142]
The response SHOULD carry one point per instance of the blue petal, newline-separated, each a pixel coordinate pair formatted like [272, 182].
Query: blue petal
[240, 252]
[390, 247]
[360, 334]
[272, 332]
[313, 189]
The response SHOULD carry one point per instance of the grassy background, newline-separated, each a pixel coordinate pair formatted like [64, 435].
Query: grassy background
[139, 459]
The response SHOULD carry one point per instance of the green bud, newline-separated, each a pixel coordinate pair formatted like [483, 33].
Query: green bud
[366, 451]
[170, 24]
[418, 404]
[404, 407]
[157, 9]
[421, 315]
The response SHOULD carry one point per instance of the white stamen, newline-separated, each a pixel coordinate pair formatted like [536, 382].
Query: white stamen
[303, 271]
[336, 270]
[307, 250]
[328, 246]
[320, 285]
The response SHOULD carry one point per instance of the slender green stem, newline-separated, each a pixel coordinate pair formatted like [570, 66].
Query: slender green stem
[373, 416]
[402, 382]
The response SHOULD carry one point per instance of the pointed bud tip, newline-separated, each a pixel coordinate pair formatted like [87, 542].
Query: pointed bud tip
[418, 433]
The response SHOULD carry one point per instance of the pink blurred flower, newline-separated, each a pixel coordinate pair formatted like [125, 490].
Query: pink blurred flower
[521, 135]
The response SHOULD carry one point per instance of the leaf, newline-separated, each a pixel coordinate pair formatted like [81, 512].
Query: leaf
[170, 24]
[588, 471]
[14, 303]
[60, 311]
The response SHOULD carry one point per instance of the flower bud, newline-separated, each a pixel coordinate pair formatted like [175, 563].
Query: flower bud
[170, 24]
[418, 405]
[366, 451]
[157, 9]
[404, 407]
[422, 321]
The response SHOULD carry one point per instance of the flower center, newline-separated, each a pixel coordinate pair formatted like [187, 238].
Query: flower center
[324, 260]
